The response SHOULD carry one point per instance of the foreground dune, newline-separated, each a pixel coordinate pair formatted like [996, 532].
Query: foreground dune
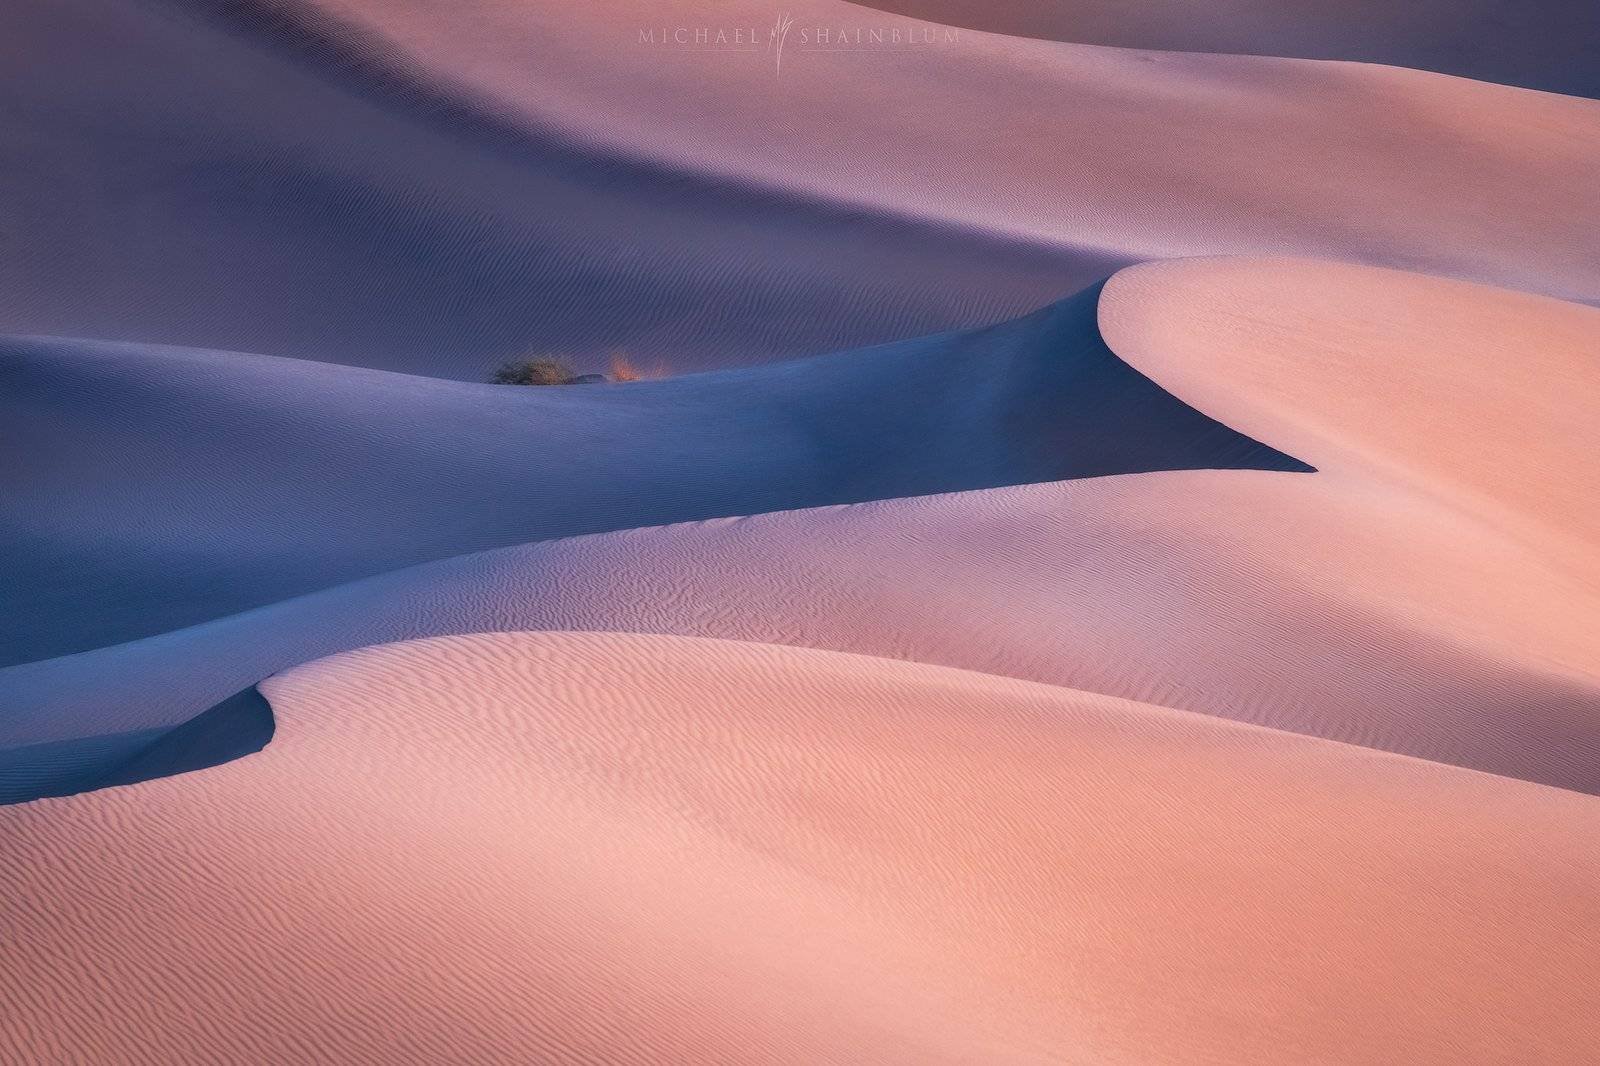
[614, 848]
[1393, 599]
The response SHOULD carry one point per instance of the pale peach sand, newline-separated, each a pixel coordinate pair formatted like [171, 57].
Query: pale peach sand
[628, 849]
[1480, 399]
[770, 817]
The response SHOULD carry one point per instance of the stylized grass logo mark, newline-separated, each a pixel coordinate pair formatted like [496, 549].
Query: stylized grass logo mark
[780, 31]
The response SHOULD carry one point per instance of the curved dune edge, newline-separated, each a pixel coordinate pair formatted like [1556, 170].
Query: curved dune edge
[1393, 623]
[834, 128]
[1482, 398]
[1545, 44]
[619, 848]
[1356, 604]
[238, 726]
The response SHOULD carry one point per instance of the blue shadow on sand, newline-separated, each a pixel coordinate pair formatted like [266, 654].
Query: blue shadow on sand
[240, 725]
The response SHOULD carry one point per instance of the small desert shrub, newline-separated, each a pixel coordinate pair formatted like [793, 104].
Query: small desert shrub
[534, 372]
[622, 369]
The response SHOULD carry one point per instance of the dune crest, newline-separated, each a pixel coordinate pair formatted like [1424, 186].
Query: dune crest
[1483, 398]
[433, 188]
[662, 532]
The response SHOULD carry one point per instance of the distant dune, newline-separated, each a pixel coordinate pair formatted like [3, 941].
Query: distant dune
[1542, 44]
[432, 188]
[1103, 565]
[615, 848]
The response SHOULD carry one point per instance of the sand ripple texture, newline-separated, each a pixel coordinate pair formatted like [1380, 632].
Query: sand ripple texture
[617, 849]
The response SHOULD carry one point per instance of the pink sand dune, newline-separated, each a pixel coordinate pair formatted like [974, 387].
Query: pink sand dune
[1136, 154]
[613, 848]
[1438, 609]
[1198, 669]
[1481, 399]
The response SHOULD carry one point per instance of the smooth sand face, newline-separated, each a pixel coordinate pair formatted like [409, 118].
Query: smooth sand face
[1390, 624]
[536, 847]
[542, 847]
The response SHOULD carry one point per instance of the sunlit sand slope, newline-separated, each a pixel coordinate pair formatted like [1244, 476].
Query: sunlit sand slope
[1481, 399]
[532, 847]
[1390, 623]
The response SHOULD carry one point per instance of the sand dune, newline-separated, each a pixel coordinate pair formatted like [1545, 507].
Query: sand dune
[1542, 44]
[431, 188]
[1138, 155]
[1158, 629]
[613, 848]
[176, 486]
[286, 206]
[1392, 623]
[1481, 398]
[1350, 603]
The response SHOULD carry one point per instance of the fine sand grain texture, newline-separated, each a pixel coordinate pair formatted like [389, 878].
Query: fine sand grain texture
[1391, 624]
[616, 848]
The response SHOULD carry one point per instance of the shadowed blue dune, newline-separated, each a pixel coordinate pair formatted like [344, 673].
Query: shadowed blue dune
[323, 206]
[164, 487]
[238, 726]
